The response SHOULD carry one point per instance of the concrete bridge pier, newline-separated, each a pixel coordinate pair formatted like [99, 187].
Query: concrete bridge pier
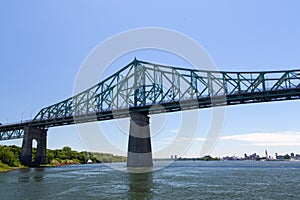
[139, 143]
[40, 135]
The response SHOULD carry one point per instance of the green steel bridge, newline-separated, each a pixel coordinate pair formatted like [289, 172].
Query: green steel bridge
[141, 89]
[140, 85]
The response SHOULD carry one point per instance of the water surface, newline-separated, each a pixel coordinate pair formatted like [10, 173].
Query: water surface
[181, 180]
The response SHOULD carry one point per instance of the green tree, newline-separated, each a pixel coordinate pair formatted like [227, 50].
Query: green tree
[7, 156]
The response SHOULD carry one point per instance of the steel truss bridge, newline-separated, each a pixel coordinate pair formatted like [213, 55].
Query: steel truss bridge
[143, 86]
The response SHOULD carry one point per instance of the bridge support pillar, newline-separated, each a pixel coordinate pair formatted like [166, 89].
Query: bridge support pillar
[40, 135]
[139, 143]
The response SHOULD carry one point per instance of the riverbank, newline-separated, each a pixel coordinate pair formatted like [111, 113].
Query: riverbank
[5, 167]
[9, 157]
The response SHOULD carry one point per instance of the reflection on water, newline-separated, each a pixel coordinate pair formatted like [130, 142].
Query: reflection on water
[140, 186]
[24, 175]
[27, 174]
[39, 174]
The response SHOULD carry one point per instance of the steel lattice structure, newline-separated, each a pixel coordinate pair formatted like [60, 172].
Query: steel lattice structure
[143, 86]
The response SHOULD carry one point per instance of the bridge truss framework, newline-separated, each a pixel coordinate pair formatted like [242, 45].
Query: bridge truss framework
[142, 86]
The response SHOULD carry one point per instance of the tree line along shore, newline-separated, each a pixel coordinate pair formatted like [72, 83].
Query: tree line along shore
[9, 157]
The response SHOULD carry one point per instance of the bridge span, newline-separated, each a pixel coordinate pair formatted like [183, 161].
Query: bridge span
[133, 90]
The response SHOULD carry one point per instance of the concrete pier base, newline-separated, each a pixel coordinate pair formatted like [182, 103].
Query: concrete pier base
[40, 135]
[139, 143]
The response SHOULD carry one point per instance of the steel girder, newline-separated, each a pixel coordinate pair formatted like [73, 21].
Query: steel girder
[140, 85]
[11, 134]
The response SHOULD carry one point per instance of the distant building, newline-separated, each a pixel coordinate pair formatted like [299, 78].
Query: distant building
[253, 156]
[282, 157]
[231, 158]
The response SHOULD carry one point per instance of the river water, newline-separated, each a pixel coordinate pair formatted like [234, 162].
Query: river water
[180, 180]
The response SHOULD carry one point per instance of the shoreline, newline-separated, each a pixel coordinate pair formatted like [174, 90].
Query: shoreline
[2, 170]
[41, 166]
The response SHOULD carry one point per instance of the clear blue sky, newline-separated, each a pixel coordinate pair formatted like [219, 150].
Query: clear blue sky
[43, 44]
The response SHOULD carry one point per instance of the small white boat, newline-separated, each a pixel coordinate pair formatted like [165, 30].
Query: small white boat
[89, 161]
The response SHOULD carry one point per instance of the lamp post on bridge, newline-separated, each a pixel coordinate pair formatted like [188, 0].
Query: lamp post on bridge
[22, 116]
[31, 114]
